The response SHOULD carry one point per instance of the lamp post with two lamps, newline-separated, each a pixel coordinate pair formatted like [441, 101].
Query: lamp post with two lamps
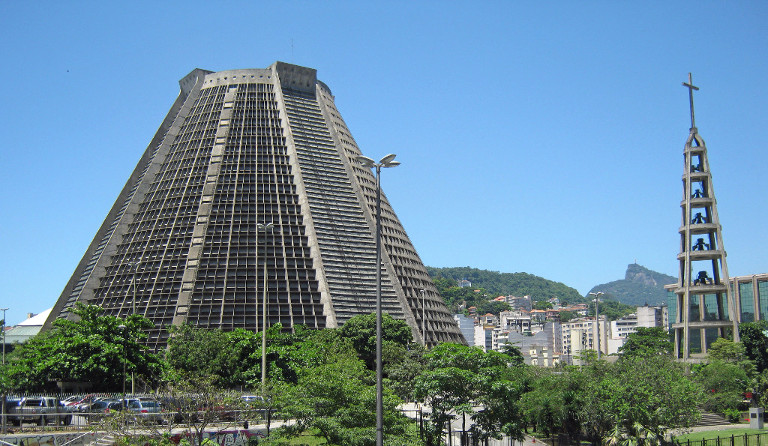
[264, 228]
[123, 330]
[597, 320]
[387, 161]
[4, 421]
[423, 315]
[134, 270]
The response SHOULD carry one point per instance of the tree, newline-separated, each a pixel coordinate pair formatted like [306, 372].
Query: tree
[654, 394]
[646, 341]
[753, 337]
[492, 306]
[458, 377]
[401, 366]
[552, 402]
[566, 316]
[223, 357]
[361, 331]
[92, 349]
[335, 394]
[514, 353]
[727, 351]
[724, 385]
[611, 309]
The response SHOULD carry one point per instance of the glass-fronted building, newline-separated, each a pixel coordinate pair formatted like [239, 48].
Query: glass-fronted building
[750, 296]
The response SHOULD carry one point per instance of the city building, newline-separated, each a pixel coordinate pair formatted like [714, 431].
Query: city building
[25, 330]
[657, 316]
[515, 321]
[542, 348]
[252, 186]
[624, 326]
[582, 334]
[467, 327]
[704, 305]
[750, 296]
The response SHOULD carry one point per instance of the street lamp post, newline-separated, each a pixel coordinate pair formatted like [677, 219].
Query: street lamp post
[423, 314]
[264, 228]
[597, 320]
[387, 161]
[4, 421]
[134, 269]
[122, 328]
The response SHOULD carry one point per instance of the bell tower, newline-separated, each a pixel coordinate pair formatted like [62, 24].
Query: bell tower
[705, 307]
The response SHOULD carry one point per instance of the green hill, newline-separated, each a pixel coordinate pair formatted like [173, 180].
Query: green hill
[640, 286]
[503, 284]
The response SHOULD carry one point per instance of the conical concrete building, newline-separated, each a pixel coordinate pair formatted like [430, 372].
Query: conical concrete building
[251, 171]
[705, 309]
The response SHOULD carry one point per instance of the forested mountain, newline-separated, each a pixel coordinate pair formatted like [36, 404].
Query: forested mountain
[503, 284]
[640, 286]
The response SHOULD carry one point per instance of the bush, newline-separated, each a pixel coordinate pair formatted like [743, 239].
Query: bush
[732, 415]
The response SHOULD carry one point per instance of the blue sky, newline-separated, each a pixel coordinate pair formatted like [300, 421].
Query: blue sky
[538, 137]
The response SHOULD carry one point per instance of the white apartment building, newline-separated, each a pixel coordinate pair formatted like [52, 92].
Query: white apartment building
[518, 321]
[581, 334]
[653, 317]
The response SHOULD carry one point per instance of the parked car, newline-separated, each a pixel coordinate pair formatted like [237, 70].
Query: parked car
[82, 404]
[39, 410]
[146, 410]
[101, 408]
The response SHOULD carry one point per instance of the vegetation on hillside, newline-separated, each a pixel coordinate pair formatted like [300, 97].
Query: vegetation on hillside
[504, 284]
[487, 285]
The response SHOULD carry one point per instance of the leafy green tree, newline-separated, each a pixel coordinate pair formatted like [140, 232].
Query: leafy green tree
[754, 337]
[566, 316]
[444, 283]
[458, 377]
[542, 403]
[553, 402]
[401, 366]
[611, 309]
[335, 394]
[514, 353]
[492, 306]
[93, 349]
[361, 331]
[725, 350]
[542, 305]
[223, 357]
[646, 341]
[724, 385]
[654, 394]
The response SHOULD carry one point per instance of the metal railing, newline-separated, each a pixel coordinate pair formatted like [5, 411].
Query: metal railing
[759, 439]
[68, 420]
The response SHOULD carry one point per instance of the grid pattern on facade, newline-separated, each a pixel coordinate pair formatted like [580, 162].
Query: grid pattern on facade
[345, 240]
[432, 318]
[255, 185]
[147, 269]
[75, 294]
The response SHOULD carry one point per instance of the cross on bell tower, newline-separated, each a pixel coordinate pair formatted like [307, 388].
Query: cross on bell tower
[691, 88]
[705, 309]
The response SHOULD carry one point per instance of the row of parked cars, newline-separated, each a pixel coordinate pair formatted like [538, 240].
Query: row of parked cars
[50, 410]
